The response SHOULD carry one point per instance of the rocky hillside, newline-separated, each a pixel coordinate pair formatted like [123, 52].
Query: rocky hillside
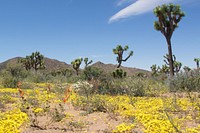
[110, 68]
[52, 64]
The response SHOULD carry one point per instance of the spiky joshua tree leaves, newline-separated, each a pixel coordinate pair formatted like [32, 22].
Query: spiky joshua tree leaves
[35, 61]
[86, 62]
[197, 60]
[176, 64]
[164, 69]
[168, 18]
[186, 68]
[76, 64]
[119, 50]
[27, 63]
[155, 70]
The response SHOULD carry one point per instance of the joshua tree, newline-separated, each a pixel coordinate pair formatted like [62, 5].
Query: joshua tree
[164, 69]
[186, 69]
[86, 62]
[119, 50]
[176, 65]
[92, 73]
[27, 63]
[155, 70]
[76, 64]
[168, 18]
[197, 62]
[35, 61]
[63, 72]
[167, 60]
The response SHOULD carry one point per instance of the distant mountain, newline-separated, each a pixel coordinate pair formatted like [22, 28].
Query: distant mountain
[4, 64]
[53, 64]
[110, 68]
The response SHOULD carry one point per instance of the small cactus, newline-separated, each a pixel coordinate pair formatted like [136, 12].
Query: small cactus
[119, 73]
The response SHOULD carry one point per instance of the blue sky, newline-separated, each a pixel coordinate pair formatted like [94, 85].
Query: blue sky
[68, 29]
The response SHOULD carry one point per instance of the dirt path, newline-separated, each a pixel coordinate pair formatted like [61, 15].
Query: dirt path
[78, 122]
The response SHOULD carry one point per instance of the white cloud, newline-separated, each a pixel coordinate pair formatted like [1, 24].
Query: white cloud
[138, 7]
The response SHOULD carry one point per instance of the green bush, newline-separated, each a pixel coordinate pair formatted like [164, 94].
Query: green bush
[83, 88]
[27, 85]
[130, 86]
[95, 103]
[12, 75]
[91, 73]
[185, 81]
[134, 87]
[9, 81]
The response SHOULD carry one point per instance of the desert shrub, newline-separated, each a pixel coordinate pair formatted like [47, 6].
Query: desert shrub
[56, 79]
[11, 75]
[185, 81]
[103, 84]
[92, 104]
[155, 88]
[35, 77]
[57, 113]
[9, 81]
[134, 87]
[91, 73]
[83, 88]
[27, 85]
[95, 103]
[141, 75]
[73, 79]
[122, 86]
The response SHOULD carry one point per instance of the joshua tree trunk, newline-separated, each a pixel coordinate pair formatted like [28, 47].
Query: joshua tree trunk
[170, 57]
[119, 64]
[119, 59]
[197, 65]
[168, 18]
[77, 72]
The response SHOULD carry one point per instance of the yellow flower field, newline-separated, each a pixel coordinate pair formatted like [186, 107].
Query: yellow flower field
[144, 114]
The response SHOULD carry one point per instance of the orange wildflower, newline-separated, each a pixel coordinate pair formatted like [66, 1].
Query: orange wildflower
[19, 84]
[49, 87]
[67, 93]
[20, 90]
